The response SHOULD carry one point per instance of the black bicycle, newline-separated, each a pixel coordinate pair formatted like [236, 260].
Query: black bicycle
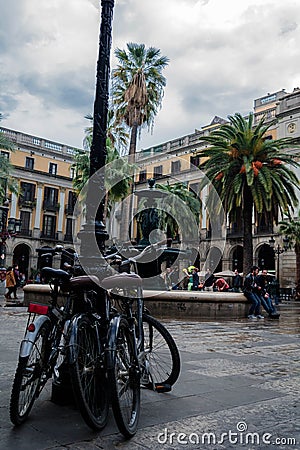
[42, 348]
[141, 350]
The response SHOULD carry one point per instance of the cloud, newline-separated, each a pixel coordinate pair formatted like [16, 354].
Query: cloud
[223, 55]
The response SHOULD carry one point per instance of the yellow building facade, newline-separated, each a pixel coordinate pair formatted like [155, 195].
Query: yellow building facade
[46, 199]
[176, 160]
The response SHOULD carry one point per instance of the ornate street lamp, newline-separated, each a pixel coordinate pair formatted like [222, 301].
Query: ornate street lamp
[8, 229]
[94, 211]
[278, 250]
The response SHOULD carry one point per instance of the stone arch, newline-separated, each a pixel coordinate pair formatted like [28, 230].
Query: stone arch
[21, 256]
[236, 257]
[214, 259]
[264, 255]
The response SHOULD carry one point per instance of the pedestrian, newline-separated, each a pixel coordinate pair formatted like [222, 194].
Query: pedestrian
[196, 281]
[209, 280]
[251, 293]
[17, 279]
[265, 297]
[167, 278]
[175, 278]
[221, 285]
[237, 281]
[10, 282]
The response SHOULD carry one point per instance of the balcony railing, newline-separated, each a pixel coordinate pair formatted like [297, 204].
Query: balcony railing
[264, 229]
[50, 206]
[25, 233]
[235, 232]
[49, 236]
[27, 203]
[68, 238]
[69, 210]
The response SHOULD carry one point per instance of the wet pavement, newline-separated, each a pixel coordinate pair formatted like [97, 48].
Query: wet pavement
[239, 388]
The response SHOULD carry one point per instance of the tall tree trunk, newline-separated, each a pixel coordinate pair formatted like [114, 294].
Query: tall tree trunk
[133, 140]
[127, 203]
[247, 238]
[297, 251]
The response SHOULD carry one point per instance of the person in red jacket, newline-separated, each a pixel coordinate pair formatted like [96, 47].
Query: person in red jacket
[221, 285]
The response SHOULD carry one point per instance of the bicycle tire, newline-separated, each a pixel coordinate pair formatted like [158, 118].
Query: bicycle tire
[124, 381]
[28, 376]
[161, 352]
[88, 376]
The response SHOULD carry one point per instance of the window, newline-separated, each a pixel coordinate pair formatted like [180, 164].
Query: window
[157, 171]
[5, 154]
[49, 226]
[27, 192]
[72, 198]
[142, 176]
[195, 187]
[69, 230]
[29, 163]
[51, 199]
[175, 167]
[194, 162]
[25, 223]
[53, 168]
[72, 172]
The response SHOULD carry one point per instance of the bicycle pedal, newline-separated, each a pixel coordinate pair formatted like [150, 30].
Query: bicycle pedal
[160, 388]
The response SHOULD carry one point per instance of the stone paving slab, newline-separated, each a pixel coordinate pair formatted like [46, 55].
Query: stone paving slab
[234, 373]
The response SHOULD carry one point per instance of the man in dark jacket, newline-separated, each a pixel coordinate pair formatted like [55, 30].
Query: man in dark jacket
[251, 293]
[265, 298]
[237, 281]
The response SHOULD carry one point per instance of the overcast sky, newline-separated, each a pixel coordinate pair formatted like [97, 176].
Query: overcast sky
[223, 54]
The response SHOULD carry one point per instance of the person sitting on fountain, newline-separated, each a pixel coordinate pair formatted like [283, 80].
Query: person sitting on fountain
[265, 298]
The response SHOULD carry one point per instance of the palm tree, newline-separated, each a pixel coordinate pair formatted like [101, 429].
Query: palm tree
[138, 87]
[247, 170]
[117, 173]
[180, 192]
[290, 227]
[7, 182]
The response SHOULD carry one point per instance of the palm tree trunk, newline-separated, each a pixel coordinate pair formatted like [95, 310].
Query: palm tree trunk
[297, 251]
[247, 238]
[127, 203]
[133, 140]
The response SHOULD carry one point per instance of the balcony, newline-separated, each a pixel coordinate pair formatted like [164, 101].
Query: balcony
[235, 232]
[264, 229]
[69, 209]
[27, 203]
[49, 236]
[68, 238]
[25, 233]
[50, 206]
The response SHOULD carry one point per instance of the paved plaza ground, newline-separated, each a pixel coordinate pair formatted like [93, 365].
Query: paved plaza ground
[239, 383]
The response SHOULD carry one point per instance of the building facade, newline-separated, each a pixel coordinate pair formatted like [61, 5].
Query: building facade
[46, 199]
[176, 160]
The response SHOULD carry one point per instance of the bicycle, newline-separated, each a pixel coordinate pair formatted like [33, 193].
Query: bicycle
[44, 351]
[41, 350]
[136, 357]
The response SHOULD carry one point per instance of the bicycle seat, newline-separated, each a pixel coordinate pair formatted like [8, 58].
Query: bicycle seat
[84, 282]
[122, 280]
[49, 272]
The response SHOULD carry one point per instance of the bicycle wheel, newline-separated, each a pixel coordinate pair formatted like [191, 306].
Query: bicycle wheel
[88, 376]
[124, 380]
[160, 357]
[30, 377]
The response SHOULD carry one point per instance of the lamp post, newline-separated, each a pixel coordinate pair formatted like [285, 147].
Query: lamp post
[95, 215]
[8, 228]
[278, 250]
